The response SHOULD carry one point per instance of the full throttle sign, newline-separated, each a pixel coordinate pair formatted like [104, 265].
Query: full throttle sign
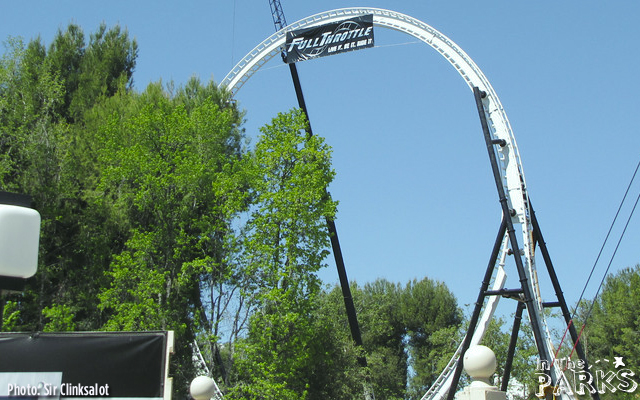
[338, 37]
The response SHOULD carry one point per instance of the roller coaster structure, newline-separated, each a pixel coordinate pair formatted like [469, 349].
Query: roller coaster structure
[517, 212]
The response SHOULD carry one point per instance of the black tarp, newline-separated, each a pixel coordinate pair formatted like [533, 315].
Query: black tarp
[132, 364]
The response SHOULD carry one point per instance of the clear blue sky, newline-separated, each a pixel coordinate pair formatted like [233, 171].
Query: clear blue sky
[413, 178]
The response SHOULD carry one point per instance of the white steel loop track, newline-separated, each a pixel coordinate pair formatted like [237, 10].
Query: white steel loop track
[511, 173]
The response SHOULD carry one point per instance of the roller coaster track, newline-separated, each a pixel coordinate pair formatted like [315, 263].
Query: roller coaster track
[508, 159]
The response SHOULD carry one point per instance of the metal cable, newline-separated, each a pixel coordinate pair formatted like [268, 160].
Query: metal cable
[615, 218]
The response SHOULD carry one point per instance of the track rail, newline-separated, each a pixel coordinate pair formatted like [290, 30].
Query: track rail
[510, 166]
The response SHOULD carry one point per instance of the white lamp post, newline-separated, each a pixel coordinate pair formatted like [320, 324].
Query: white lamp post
[19, 241]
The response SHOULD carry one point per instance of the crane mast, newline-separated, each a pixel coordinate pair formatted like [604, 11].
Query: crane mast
[280, 22]
[277, 14]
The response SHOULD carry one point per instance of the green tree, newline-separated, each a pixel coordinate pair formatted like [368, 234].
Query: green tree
[336, 372]
[431, 315]
[42, 153]
[380, 313]
[285, 244]
[90, 71]
[65, 58]
[409, 333]
[613, 328]
[169, 175]
[35, 160]
[107, 66]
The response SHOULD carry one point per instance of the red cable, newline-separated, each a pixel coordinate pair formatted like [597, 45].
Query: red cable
[555, 356]
[577, 340]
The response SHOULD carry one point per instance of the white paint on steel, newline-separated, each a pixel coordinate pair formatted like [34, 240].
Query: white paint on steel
[508, 156]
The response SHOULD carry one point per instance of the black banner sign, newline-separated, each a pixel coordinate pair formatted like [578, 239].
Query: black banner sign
[88, 364]
[338, 37]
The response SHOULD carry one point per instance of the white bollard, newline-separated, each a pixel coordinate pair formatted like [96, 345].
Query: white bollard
[203, 388]
[480, 363]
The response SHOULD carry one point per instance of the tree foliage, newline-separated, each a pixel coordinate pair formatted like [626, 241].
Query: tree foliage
[285, 243]
[42, 153]
[612, 326]
[136, 191]
[157, 216]
[408, 331]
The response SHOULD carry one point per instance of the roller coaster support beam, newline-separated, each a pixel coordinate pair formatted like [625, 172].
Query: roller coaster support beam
[299, 95]
[352, 317]
[346, 291]
[280, 22]
[333, 233]
[512, 346]
[562, 303]
[473, 322]
[507, 225]
[506, 212]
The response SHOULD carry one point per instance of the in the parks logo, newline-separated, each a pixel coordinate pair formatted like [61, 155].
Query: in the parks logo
[602, 376]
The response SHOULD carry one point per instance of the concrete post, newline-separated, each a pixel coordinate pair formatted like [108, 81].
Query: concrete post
[480, 363]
